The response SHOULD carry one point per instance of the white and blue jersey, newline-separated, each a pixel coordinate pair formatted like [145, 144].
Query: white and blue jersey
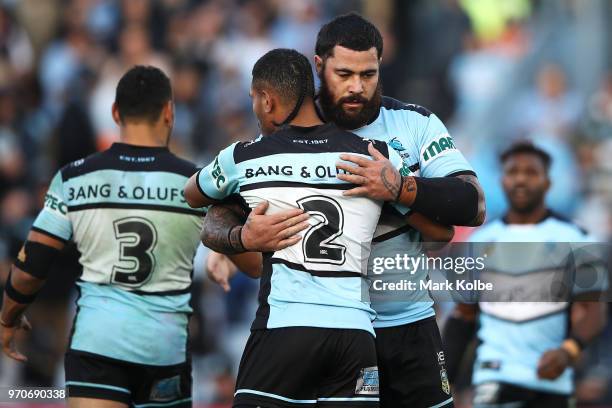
[515, 334]
[427, 150]
[318, 282]
[124, 208]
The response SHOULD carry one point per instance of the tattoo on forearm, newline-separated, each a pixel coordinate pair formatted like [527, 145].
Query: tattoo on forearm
[235, 239]
[391, 181]
[480, 215]
[219, 223]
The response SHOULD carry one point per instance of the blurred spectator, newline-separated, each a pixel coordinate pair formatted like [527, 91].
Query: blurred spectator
[552, 109]
[297, 26]
[134, 49]
[599, 110]
[478, 75]
[187, 88]
[15, 45]
[13, 168]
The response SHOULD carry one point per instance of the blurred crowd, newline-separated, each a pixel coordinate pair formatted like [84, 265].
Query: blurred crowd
[492, 70]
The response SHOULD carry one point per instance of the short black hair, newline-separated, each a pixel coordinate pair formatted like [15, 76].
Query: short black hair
[526, 147]
[142, 93]
[287, 72]
[350, 31]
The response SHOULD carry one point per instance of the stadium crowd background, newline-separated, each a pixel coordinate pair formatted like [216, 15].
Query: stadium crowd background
[494, 71]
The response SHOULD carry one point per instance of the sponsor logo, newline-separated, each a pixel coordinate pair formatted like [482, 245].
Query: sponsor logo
[250, 142]
[440, 146]
[166, 389]
[367, 382]
[54, 203]
[77, 163]
[441, 359]
[444, 380]
[218, 175]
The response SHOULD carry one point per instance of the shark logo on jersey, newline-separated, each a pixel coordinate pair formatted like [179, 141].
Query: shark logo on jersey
[401, 150]
[438, 147]
[396, 145]
[218, 175]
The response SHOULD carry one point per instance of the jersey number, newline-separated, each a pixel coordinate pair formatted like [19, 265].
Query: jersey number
[317, 245]
[137, 238]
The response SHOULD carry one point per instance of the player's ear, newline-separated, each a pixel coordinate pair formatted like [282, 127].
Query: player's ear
[318, 64]
[547, 184]
[168, 114]
[267, 101]
[115, 113]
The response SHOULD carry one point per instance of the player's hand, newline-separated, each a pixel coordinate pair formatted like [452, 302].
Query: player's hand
[8, 339]
[269, 233]
[377, 178]
[220, 269]
[553, 363]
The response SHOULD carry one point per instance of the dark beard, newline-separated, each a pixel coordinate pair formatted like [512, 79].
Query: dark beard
[530, 206]
[333, 112]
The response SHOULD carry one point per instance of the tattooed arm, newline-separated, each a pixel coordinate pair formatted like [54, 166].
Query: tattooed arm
[454, 200]
[222, 228]
[224, 232]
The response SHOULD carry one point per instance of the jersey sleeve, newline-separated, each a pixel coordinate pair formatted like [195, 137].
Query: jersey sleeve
[438, 155]
[53, 218]
[220, 179]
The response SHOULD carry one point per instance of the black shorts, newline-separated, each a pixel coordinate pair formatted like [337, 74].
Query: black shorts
[412, 366]
[93, 376]
[500, 395]
[308, 367]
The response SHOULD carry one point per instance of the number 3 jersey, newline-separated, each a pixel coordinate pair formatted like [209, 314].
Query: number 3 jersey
[124, 209]
[317, 282]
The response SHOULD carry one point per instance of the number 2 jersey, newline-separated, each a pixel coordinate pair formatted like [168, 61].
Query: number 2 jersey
[124, 209]
[319, 281]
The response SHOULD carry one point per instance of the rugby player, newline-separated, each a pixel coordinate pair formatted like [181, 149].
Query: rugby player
[124, 208]
[526, 350]
[435, 181]
[312, 340]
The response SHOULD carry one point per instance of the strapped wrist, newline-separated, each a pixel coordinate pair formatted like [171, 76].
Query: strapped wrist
[15, 295]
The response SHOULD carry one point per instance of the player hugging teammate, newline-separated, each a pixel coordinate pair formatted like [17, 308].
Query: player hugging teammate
[433, 189]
